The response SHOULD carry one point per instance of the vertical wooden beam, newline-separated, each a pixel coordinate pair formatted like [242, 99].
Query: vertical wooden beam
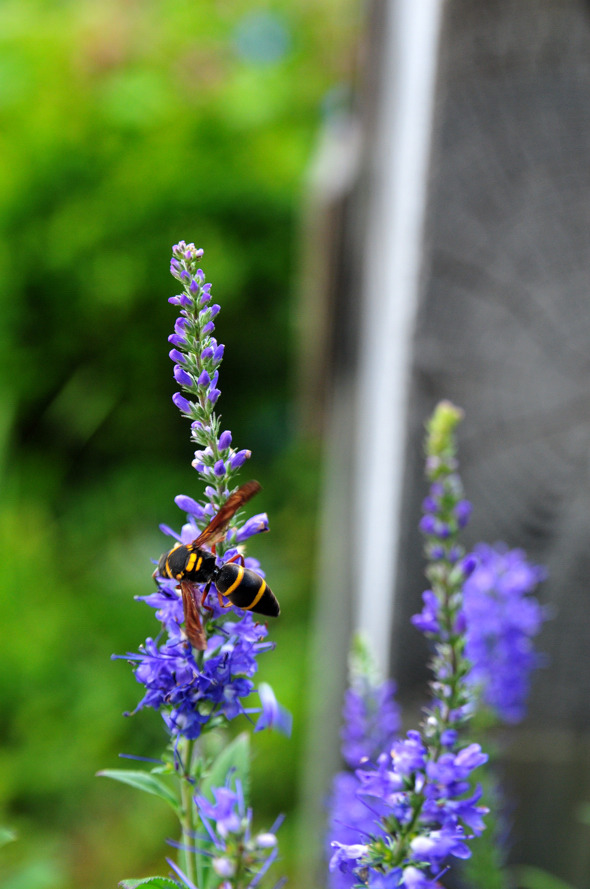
[392, 263]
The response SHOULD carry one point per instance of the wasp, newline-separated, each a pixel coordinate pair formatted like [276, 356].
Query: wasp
[192, 564]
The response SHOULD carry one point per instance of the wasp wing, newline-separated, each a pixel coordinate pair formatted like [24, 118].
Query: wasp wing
[217, 528]
[192, 618]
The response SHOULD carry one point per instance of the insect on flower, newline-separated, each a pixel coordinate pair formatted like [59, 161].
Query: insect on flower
[192, 564]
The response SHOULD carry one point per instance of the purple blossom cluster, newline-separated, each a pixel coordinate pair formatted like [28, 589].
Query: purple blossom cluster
[420, 805]
[195, 690]
[416, 840]
[371, 722]
[502, 618]
[499, 617]
[241, 856]
[235, 854]
[412, 809]
[411, 806]
[191, 695]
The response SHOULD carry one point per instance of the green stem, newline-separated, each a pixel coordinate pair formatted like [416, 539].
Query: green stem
[187, 809]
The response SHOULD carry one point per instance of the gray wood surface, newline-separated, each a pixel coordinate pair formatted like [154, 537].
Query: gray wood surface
[504, 331]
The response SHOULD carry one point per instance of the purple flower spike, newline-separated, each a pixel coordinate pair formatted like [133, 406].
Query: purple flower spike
[201, 673]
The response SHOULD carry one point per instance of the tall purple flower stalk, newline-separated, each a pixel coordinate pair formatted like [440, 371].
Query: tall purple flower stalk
[197, 691]
[371, 722]
[423, 809]
[191, 689]
[407, 805]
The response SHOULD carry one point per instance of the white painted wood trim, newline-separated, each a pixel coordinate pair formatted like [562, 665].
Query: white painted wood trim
[392, 265]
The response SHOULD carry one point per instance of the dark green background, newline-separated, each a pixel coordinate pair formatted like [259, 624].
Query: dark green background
[124, 127]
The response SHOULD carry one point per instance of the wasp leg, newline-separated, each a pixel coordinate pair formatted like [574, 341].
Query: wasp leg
[220, 595]
[205, 594]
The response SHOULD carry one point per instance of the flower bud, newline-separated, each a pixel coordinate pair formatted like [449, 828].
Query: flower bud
[224, 867]
[181, 403]
[265, 840]
[224, 440]
[181, 376]
[237, 460]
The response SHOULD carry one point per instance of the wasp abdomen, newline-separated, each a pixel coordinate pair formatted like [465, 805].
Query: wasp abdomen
[246, 589]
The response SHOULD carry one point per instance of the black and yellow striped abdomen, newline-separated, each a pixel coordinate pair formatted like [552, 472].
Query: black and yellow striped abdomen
[246, 589]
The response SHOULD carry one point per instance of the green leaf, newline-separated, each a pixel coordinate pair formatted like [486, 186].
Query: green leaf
[143, 781]
[235, 756]
[6, 836]
[154, 882]
[535, 878]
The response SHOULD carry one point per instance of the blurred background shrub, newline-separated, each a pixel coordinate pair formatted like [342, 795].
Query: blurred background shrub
[126, 126]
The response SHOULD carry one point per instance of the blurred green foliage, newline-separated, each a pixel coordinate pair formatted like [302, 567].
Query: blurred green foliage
[125, 126]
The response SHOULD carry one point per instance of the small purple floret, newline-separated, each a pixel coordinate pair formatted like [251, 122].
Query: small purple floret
[181, 376]
[238, 459]
[181, 403]
[224, 440]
